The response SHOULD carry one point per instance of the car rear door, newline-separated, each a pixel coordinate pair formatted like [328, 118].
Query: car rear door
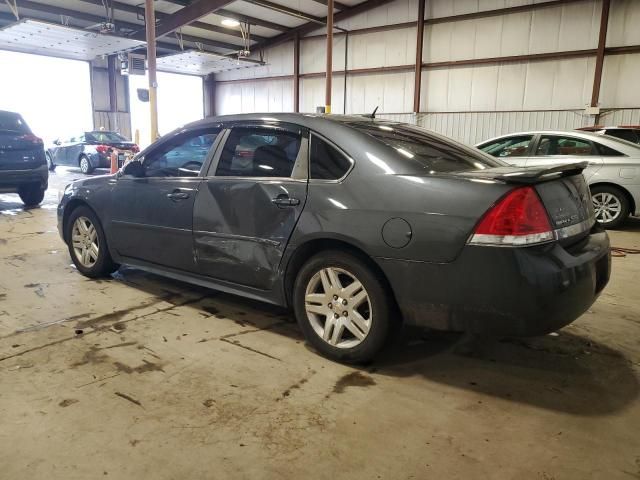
[551, 149]
[249, 203]
[152, 215]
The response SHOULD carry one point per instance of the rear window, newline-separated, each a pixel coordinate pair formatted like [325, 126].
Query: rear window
[427, 150]
[109, 137]
[12, 122]
[625, 134]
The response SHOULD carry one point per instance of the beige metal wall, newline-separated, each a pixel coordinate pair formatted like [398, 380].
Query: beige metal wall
[469, 103]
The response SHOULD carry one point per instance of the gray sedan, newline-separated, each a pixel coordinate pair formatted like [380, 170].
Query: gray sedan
[357, 224]
[613, 171]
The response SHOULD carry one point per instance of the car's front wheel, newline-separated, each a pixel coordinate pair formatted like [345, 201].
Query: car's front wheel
[342, 307]
[31, 195]
[88, 244]
[610, 204]
[85, 165]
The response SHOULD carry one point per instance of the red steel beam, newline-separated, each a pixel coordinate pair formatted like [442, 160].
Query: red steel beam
[188, 14]
[602, 43]
[418, 68]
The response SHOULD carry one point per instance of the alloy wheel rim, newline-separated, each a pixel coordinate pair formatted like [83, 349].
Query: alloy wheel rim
[84, 239]
[338, 307]
[607, 207]
[84, 165]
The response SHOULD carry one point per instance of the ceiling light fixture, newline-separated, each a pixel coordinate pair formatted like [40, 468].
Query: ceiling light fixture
[230, 22]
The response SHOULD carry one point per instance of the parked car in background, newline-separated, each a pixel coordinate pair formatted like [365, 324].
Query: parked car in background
[630, 133]
[89, 150]
[613, 171]
[23, 167]
[356, 223]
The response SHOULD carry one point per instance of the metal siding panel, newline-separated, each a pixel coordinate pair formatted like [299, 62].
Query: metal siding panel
[459, 90]
[624, 21]
[515, 34]
[620, 81]
[510, 86]
[484, 89]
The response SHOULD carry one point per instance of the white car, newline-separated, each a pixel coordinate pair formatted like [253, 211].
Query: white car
[613, 173]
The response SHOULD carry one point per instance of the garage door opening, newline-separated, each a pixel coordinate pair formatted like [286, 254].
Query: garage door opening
[53, 95]
[180, 101]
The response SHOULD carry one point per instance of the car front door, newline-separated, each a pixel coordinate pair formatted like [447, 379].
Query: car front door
[59, 154]
[152, 214]
[553, 149]
[249, 203]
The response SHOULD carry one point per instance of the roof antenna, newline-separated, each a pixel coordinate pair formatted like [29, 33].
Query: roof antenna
[373, 115]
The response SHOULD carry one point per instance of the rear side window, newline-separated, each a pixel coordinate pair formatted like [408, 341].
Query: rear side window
[509, 147]
[12, 122]
[608, 151]
[570, 146]
[259, 152]
[624, 134]
[426, 150]
[326, 161]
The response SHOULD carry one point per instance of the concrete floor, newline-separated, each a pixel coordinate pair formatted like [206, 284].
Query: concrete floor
[142, 377]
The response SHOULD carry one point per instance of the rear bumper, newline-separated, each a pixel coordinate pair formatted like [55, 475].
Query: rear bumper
[504, 291]
[12, 180]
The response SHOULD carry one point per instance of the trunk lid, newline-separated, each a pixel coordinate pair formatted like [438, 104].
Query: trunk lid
[562, 189]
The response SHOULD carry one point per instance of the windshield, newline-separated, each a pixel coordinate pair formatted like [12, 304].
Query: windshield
[105, 137]
[12, 122]
[427, 150]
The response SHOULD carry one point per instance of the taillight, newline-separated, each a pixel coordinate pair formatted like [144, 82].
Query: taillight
[31, 138]
[519, 218]
[103, 149]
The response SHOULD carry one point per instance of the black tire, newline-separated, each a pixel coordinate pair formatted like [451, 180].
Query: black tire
[617, 195]
[85, 165]
[379, 302]
[31, 195]
[50, 165]
[104, 264]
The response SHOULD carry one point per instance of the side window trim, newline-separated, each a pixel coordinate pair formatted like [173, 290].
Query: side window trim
[313, 133]
[200, 131]
[300, 167]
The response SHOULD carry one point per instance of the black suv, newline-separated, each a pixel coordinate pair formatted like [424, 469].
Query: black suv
[23, 166]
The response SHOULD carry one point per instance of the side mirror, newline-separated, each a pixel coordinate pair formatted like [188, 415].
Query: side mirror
[133, 168]
[57, 141]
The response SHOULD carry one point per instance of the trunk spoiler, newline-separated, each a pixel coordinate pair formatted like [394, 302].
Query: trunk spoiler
[527, 175]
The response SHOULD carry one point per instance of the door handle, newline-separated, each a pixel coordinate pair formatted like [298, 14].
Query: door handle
[177, 195]
[285, 201]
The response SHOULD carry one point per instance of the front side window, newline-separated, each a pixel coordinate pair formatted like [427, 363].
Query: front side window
[259, 152]
[326, 161]
[182, 156]
[557, 145]
[509, 147]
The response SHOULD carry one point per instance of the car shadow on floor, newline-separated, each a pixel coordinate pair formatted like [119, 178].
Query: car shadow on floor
[567, 372]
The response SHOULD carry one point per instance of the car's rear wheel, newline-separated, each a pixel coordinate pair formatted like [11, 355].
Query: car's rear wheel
[31, 195]
[85, 165]
[610, 204]
[88, 244]
[342, 307]
[50, 165]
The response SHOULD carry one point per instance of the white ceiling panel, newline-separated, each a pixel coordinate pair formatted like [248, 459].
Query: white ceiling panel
[194, 62]
[42, 38]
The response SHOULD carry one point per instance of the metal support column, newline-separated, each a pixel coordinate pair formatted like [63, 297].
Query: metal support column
[296, 73]
[602, 41]
[150, 27]
[327, 94]
[418, 71]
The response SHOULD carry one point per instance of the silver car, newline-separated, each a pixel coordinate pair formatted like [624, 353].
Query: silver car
[613, 173]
